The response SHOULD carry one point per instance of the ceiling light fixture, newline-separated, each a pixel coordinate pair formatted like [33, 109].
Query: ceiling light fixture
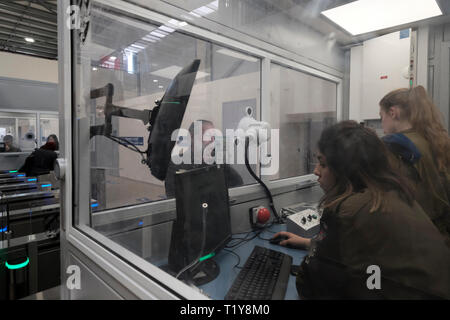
[27, 39]
[365, 16]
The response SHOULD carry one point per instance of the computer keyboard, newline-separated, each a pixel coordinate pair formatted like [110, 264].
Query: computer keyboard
[264, 276]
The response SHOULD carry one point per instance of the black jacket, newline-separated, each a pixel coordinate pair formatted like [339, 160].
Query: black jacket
[402, 241]
[40, 162]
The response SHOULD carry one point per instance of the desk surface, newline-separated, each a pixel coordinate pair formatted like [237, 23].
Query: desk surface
[218, 288]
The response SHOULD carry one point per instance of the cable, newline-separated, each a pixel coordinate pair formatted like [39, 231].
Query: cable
[235, 254]
[135, 149]
[245, 240]
[271, 203]
[129, 142]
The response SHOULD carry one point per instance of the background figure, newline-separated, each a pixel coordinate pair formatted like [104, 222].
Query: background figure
[9, 145]
[41, 161]
[421, 145]
[233, 178]
[53, 138]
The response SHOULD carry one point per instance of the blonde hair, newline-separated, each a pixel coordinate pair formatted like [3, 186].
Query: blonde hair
[418, 108]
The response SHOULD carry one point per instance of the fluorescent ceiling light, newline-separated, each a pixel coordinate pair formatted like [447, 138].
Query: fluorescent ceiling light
[27, 39]
[167, 29]
[151, 38]
[171, 72]
[134, 45]
[364, 16]
[203, 11]
[131, 49]
[160, 34]
[237, 55]
[173, 22]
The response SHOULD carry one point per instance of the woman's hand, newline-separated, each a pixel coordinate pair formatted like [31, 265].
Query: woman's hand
[293, 240]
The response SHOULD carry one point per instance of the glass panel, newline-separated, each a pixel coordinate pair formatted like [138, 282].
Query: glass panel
[27, 133]
[49, 125]
[302, 105]
[8, 127]
[290, 25]
[21, 127]
[126, 64]
[139, 60]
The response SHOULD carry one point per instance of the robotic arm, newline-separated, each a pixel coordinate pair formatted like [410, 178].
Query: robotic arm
[112, 110]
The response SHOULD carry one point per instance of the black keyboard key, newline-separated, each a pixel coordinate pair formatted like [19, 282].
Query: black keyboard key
[264, 276]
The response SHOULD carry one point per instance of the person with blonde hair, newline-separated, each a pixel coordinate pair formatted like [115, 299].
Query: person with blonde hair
[420, 143]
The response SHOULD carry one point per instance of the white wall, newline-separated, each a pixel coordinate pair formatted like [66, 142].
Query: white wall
[355, 101]
[20, 66]
[387, 56]
[423, 35]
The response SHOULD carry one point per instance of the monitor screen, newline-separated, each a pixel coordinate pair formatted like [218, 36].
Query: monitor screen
[199, 233]
[169, 118]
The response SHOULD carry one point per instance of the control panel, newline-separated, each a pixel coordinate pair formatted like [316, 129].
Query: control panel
[302, 220]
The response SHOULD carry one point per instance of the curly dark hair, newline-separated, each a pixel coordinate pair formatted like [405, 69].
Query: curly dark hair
[359, 160]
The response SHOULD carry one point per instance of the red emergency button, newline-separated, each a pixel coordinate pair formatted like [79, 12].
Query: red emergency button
[263, 215]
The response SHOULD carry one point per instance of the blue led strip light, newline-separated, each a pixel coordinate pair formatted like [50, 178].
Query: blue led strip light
[46, 185]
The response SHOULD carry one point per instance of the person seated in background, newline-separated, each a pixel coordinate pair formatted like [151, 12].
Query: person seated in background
[421, 145]
[232, 176]
[41, 161]
[369, 220]
[9, 145]
[53, 138]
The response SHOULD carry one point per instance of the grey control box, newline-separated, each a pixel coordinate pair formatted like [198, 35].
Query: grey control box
[302, 220]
